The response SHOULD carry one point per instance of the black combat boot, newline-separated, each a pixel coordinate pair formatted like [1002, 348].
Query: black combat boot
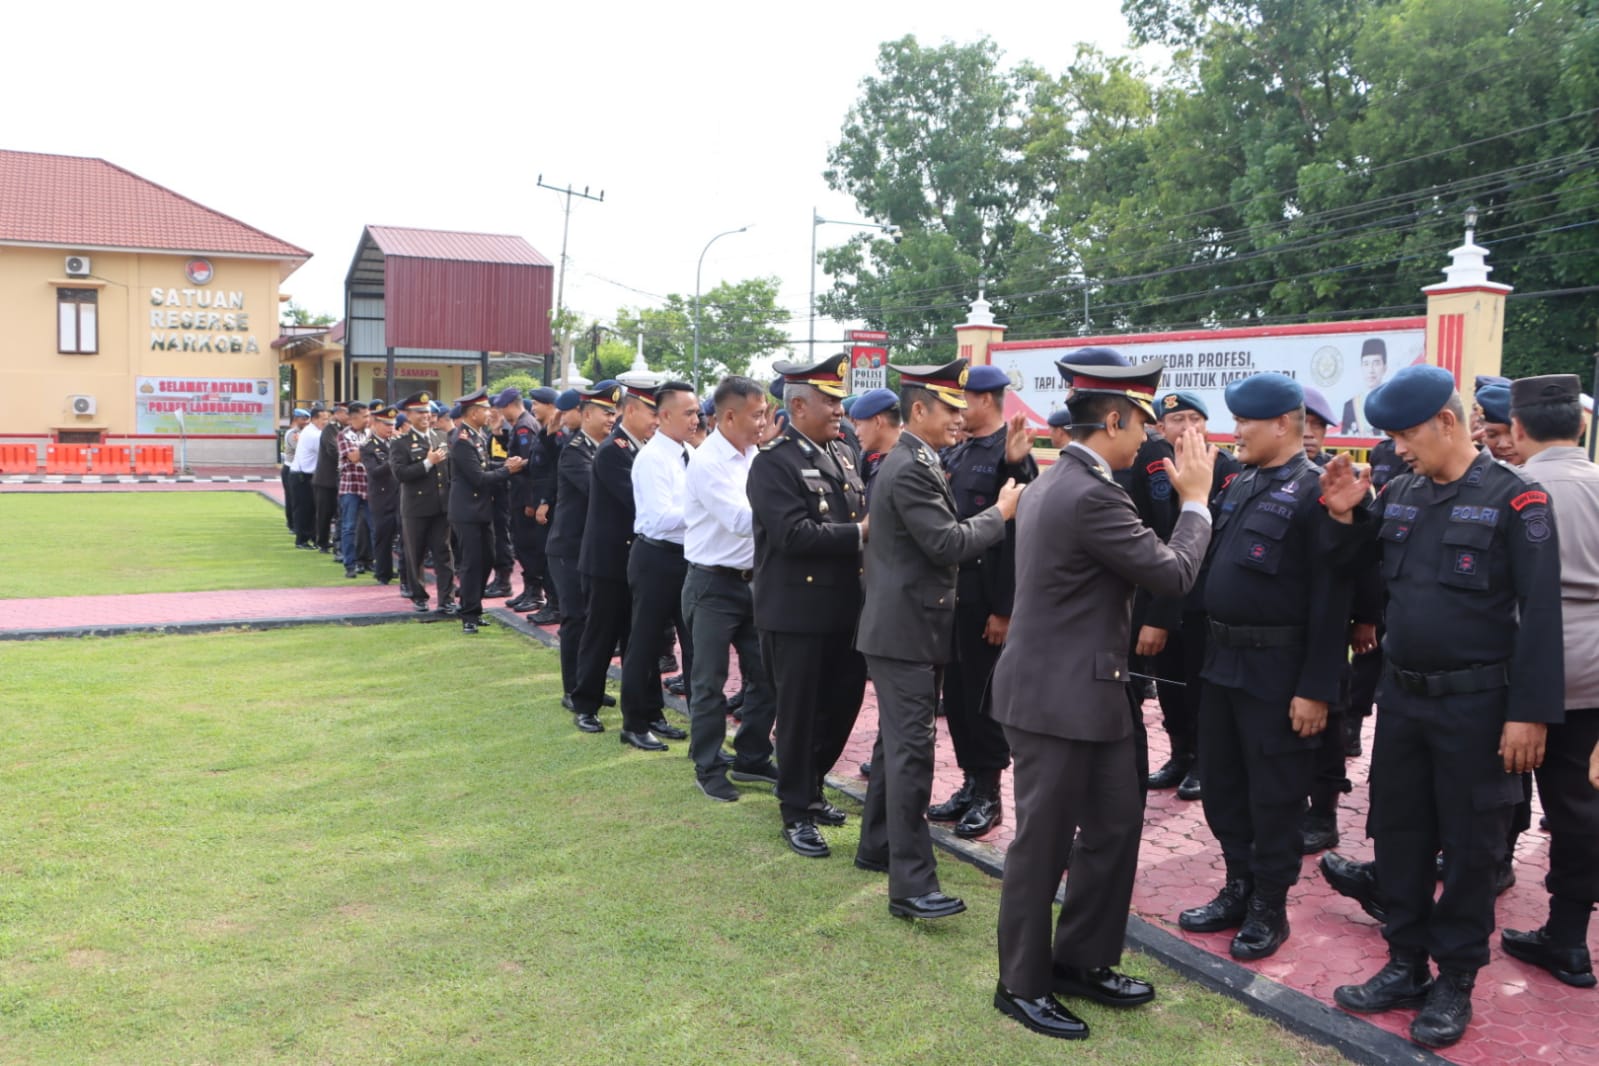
[985, 810]
[954, 808]
[1264, 930]
[1447, 1012]
[1226, 911]
[1403, 982]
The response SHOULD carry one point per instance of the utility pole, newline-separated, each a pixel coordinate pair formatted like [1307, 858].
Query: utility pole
[560, 281]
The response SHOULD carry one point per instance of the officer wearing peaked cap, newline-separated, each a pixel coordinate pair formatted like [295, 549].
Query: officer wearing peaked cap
[808, 517]
[383, 496]
[472, 501]
[1081, 549]
[907, 627]
[995, 451]
[529, 489]
[419, 466]
[1278, 645]
[1465, 545]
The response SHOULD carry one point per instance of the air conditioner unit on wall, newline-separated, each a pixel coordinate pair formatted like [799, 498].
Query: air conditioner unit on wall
[81, 405]
[78, 266]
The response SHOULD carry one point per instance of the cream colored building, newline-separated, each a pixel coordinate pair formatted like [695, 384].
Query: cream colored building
[133, 315]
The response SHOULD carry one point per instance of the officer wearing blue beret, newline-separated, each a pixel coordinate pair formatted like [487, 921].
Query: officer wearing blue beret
[1465, 544]
[532, 496]
[1494, 402]
[1059, 423]
[877, 421]
[1319, 418]
[1278, 626]
[995, 451]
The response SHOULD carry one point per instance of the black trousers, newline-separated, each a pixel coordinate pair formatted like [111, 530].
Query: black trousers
[538, 569]
[424, 534]
[818, 680]
[1440, 783]
[979, 741]
[477, 549]
[1572, 806]
[382, 532]
[288, 495]
[1255, 770]
[574, 614]
[610, 615]
[1061, 786]
[327, 514]
[1181, 660]
[503, 557]
[894, 822]
[655, 580]
[720, 613]
[1365, 670]
[304, 508]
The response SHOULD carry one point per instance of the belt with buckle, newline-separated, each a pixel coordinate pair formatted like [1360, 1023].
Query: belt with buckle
[1450, 682]
[727, 571]
[664, 545]
[1256, 636]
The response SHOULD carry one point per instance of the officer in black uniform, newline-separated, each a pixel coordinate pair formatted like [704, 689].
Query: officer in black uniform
[1170, 634]
[1365, 667]
[498, 432]
[472, 501]
[598, 411]
[522, 432]
[1474, 673]
[602, 558]
[808, 505]
[419, 466]
[382, 493]
[1278, 619]
[995, 451]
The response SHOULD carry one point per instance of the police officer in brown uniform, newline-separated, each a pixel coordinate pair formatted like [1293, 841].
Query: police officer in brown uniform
[907, 628]
[472, 501]
[419, 465]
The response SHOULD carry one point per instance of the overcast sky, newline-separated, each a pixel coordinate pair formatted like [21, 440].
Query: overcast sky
[310, 120]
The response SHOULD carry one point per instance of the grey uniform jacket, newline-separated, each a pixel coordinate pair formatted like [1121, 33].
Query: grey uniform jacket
[914, 549]
[1080, 551]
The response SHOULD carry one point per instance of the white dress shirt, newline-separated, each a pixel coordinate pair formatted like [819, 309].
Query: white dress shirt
[305, 451]
[659, 483]
[721, 527]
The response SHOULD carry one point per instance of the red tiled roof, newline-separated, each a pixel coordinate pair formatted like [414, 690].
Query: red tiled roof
[78, 202]
[463, 247]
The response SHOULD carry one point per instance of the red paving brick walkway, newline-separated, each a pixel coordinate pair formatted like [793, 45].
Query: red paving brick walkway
[1522, 1014]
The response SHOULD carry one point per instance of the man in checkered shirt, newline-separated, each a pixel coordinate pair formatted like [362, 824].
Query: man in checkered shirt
[352, 486]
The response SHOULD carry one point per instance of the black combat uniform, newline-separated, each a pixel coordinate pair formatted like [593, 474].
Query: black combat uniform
[807, 502]
[1365, 669]
[423, 520]
[1473, 640]
[976, 468]
[534, 487]
[563, 546]
[503, 557]
[1278, 624]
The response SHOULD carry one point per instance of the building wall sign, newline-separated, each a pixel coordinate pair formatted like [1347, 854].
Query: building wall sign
[198, 271]
[200, 320]
[208, 406]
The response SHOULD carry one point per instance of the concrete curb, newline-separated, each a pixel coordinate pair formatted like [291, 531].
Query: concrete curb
[216, 626]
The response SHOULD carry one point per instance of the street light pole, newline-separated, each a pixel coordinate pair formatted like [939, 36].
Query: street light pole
[697, 270]
[818, 221]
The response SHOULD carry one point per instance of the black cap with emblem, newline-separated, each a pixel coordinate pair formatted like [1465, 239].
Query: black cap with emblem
[826, 377]
[947, 381]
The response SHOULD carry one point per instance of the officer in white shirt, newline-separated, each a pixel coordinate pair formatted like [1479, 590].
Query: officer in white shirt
[655, 565]
[717, 604]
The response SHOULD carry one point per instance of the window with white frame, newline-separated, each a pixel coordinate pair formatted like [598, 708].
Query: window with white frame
[77, 321]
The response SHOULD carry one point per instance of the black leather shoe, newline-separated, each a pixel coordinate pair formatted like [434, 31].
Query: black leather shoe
[827, 814]
[1190, 789]
[1317, 832]
[763, 772]
[607, 700]
[544, 616]
[1226, 911]
[644, 741]
[451, 607]
[668, 664]
[497, 591]
[662, 728]
[520, 603]
[984, 814]
[1042, 1015]
[1171, 775]
[1103, 985]
[1447, 1012]
[677, 686]
[1570, 965]
[1404, 982]
[420, 606]
[803, 838]
[930, 906]
[954, 808]
[1354, 880]
[717, 787]
[468, 627]
[1263, 932]
[873, 866]
[866, 768]
[566, 700]
[588, 723]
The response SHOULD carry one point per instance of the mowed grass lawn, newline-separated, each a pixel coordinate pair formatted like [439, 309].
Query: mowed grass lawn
[97, 543]
[388, 845]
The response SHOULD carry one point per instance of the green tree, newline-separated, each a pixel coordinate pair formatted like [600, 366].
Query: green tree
[295, 315]
[740, 321]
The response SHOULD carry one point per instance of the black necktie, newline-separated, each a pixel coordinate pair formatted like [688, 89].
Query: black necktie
[685, 457]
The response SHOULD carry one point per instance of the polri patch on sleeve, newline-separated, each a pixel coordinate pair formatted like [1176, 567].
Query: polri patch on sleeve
[1535, 521]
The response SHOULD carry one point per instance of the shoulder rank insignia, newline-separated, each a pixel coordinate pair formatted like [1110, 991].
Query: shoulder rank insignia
[926, 459]
[621, 442]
